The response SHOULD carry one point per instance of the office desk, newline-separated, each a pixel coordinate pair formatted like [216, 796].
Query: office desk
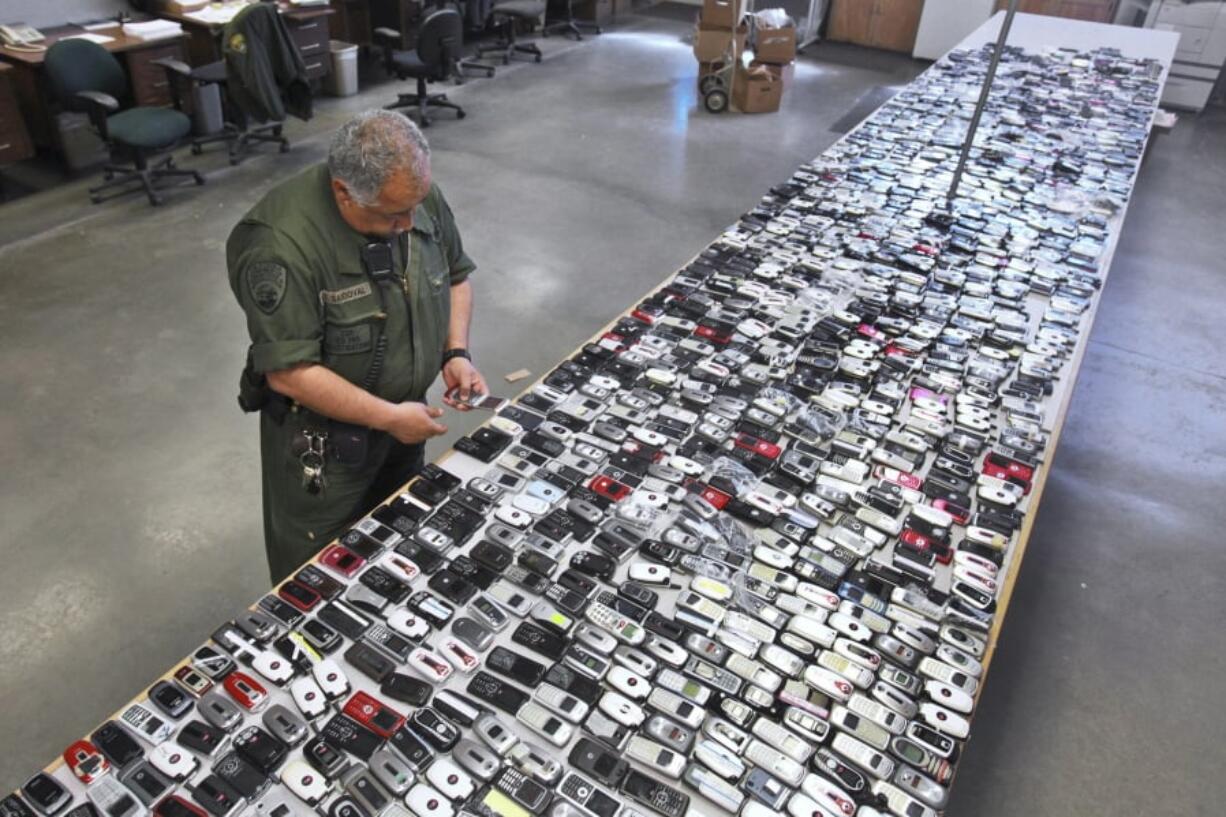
[308, 27]
[15, 142]
[148, 83]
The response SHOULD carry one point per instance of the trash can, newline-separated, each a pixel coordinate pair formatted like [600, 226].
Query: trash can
[343, 81]
[207, 115]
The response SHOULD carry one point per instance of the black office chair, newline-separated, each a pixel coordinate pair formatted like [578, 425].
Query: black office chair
[84, 76]
[236, 132]
[567, 23]
[506, 17]
[434, 59]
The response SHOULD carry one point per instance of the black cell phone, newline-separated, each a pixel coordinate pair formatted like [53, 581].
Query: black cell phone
[324, 757]
[497, 693]
[528, 420]
[171, 699]
[116, 744]
[201, 737]
[426, 559]
[516, 667]
[370, 662]
[319, 581]
[385, 584]
[452, 587]
[663, 626]
[412, 747]
[523, 790]
[282, 610]
[545, 445]
[261, 749]
[439, 732]
[247, 780]
[440, 476]
[406, 689]
[569, 601]
[320, 635]
[537, 562]
[540, 640]
[577, 582]
[594, 759]
[350, 736]
[492, 555]
[394, 644]
[582, 687]
[427, 491]
[344, 619]
[216, 796]
[474, 449]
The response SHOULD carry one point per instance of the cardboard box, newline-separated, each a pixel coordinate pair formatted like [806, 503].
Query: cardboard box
[785, 73]
[711, 44]
[775, 45]
[756, 90]
[720, 14]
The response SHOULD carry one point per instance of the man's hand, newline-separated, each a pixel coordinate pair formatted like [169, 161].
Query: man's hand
[463, 381]
[412, 423]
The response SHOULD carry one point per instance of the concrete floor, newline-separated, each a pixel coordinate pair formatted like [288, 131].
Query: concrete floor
[130, 494]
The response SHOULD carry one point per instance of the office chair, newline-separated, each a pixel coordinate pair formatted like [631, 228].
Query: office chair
[568, 24]
[84, 76]
[435, 58]
[237, 132]
[506, 16]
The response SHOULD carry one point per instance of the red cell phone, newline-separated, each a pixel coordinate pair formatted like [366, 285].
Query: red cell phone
[247, 691]
[299, 595]
[715, 497]
[761, 447]
[609, 488]
[375, 715]
[994, 465]
[341, 560]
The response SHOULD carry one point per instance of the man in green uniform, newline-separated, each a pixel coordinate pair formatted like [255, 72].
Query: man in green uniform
[355, 285]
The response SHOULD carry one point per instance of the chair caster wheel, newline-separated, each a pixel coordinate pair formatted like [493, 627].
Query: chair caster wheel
[197, 150]
[96, 199]
[284, 148]
[233, 161]
[538, 57]
[460, 114]
[599, 30]
[199, 179]
[107, 176]
[715, 100]
[156, 201]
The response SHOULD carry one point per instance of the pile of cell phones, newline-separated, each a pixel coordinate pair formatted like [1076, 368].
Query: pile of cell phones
[740, 554]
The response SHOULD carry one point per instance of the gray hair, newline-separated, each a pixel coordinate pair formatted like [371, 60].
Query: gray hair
[373, 145]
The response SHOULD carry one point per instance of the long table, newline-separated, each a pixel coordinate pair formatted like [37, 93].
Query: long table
[1029, 32]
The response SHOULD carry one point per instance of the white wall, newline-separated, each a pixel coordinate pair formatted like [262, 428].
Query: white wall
[47, 13]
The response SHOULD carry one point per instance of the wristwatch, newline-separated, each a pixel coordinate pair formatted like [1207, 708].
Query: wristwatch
[452, 354]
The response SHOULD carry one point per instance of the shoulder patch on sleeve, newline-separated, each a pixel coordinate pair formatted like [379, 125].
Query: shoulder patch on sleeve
[266, 283]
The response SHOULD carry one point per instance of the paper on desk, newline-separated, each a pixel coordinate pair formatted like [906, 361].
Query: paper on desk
[93, 38]
[214, 15]
[152, 30]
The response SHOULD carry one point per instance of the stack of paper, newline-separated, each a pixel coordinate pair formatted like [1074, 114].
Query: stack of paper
[152, 29]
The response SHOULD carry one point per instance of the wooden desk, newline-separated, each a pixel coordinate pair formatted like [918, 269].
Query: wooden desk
[15, 143]
[148, 83]
[308, 27]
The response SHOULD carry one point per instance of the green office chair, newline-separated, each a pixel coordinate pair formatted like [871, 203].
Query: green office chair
[84, 76]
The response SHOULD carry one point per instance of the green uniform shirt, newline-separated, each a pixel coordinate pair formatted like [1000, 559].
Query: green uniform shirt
[296, 268]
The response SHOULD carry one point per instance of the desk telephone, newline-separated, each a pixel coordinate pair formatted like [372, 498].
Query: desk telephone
[20, 34]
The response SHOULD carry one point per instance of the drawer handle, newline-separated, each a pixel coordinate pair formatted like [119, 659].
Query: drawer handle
[310, 46]
[308, 26]
[161, 84]
[6, 146]
[311, 66]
